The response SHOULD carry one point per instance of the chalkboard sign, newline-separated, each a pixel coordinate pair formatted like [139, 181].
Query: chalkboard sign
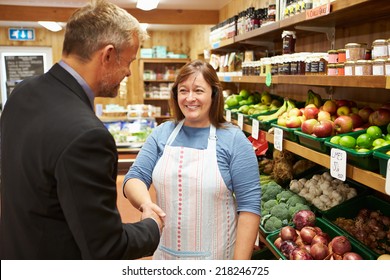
[18, 68]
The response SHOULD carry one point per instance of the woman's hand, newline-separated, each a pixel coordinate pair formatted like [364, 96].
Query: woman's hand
[152, 210]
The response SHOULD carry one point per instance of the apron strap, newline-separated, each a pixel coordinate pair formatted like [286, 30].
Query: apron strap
[174, 133]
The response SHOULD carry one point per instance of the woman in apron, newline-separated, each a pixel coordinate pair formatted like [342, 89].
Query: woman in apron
[205, 173]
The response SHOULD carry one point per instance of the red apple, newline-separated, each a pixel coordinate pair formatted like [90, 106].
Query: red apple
[311, 111]
[365, 113]
[380, 117]
[308, 126]
[343, 124]
[293, 122]
[323, 128]
[342, 102]
[295, 112]
[323, 115]
[357, 121]
[343, 111]
[330, 106]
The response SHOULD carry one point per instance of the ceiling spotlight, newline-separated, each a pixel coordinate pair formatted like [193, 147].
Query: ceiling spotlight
[51, 25]
[147, 5]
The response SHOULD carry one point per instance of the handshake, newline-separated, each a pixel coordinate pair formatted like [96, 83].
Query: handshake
[153, 211]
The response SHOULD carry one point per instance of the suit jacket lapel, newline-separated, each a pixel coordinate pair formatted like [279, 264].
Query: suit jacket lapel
[69, 81]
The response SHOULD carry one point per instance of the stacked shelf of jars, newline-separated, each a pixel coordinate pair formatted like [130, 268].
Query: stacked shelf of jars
[358, 60]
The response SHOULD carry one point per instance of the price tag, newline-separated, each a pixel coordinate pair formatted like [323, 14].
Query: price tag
[338, 164]
[268, 79]
[387, 186]
[278, 138]
[240, 120]
[228, 115]
[255, 129]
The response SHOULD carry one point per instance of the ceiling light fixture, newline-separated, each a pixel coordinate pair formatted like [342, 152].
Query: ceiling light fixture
[51, 25]
[147, 5]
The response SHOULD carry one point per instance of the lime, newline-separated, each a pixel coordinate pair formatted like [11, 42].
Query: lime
[244, 93]
[362, 150]
[374, 131]
[385, 143]
[387, 137]
[347, 141]
[335, 140]
[378, 142]
[364, 141]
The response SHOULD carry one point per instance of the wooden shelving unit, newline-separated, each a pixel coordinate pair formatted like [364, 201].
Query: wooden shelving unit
[159, 66]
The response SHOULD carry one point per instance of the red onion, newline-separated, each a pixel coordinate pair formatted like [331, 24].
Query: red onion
[322, 237]
[288, 233]
[278, 242]
[319, 251]
[300, 254]
[304, 218]
[352, 256]
[307, 234]
[286, 247]
[340, 245]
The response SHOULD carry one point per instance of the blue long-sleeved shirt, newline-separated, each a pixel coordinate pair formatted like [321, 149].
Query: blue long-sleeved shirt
[235, 155]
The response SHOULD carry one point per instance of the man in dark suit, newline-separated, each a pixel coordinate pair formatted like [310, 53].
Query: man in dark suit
[59, 162]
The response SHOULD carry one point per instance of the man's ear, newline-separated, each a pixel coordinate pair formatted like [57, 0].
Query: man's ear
[108, 54]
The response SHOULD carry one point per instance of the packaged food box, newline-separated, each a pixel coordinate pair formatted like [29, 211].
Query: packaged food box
[351, 210]
[332, 231]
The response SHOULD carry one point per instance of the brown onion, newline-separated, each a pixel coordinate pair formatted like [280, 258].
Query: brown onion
[300, 254]
[352, 256]
[307, 234]
[277, 242]
[340, 245]
[288, 233]
[319, 251]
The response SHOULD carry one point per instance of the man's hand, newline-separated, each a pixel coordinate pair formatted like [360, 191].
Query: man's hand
[152, 210]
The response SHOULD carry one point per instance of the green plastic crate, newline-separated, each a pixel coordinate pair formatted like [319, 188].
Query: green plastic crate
[364, 160]
[350, 210]
[263, 254]
[312, 142]
[383, 158]
[333, 231]
[288, 133]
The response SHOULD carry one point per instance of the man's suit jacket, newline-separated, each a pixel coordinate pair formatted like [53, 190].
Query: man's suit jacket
[58, 175]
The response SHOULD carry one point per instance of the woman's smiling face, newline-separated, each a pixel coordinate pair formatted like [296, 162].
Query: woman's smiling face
[194, 99]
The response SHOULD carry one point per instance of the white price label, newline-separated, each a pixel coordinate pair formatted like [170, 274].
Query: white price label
[255, 129]
[278, 138]
[338, 164]
[387, 186]
[241, 120]
[228, 115]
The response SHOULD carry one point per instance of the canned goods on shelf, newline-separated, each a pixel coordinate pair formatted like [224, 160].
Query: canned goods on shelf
[332, 56]
[354, 51]
[340, 69]
[387, 67]
[332, 69]
[349, 68]
[341, 55]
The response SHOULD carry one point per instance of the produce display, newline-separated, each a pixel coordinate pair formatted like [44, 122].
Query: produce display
[278, 206]
[322, 190]
[371, 227]
[252, 103]
[308, 241]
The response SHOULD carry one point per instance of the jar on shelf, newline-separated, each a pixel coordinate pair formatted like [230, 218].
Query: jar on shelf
[341, 55]
[378, 67]
[363, 67]
[388, 47]
[349, 68]
[354, 52]
[340, 69]
[266, 66]
[332, 69]
[387, 67]
[379, 49]
[274, 65]
[288, 38]
[332, 56]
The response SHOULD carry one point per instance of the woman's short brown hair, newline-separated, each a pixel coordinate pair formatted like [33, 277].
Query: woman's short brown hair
[216, 112]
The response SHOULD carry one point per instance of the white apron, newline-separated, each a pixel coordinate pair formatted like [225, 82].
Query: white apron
[201, 213]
